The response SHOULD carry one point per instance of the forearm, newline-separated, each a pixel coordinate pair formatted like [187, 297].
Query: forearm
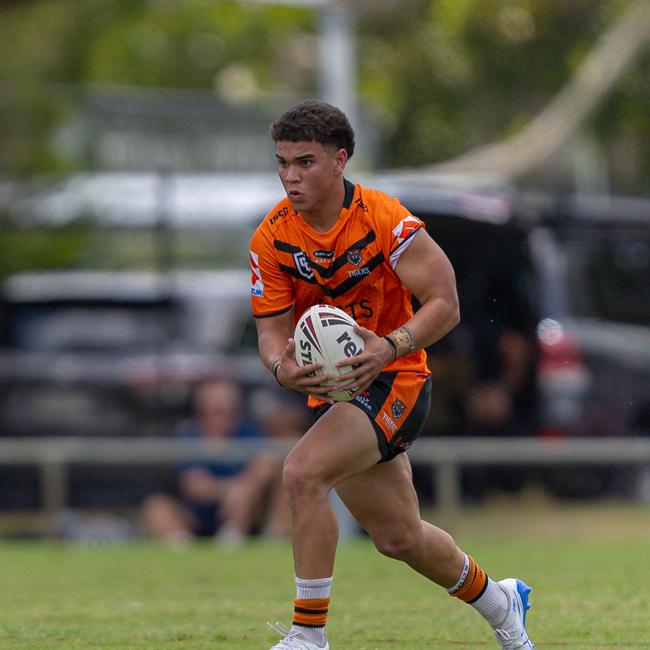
[277, 352]
[271, 345]
[435, 318]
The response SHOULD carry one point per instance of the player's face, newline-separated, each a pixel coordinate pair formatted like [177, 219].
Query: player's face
[309, 172]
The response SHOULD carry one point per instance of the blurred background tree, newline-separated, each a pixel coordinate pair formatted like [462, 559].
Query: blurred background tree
[441, 76]
[455, 74]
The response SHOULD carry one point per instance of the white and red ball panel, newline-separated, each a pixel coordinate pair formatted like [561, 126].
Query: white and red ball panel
[325, 335]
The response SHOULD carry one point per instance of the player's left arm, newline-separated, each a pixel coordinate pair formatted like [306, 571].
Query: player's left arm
[426, 271]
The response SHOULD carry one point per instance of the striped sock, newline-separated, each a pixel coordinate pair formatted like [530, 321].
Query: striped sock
[310, 612]
[472, 583]
[310, 607]
[477, 589]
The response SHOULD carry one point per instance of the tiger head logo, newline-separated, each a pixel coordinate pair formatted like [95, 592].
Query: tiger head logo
[355, 257]
[397, 409]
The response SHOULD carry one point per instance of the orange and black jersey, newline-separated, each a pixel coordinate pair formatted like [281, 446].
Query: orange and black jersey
[351, 266]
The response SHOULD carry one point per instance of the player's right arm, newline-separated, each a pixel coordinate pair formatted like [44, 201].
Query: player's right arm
[277, 351]
[272, 298]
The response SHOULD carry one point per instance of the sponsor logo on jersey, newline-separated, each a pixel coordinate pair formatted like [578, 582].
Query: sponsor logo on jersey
[257, 286]
[323, 256]
[355, 257]
[357, 273]
[405, 228]
[364, 401]
[387, 420]
[302, 265]
[397, 409]
[362, 205]
[361, 309]
[398, 442]
[282, 212]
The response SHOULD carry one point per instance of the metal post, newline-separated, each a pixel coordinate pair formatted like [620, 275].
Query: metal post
[54, 491]
[338, 66]
[447, 482]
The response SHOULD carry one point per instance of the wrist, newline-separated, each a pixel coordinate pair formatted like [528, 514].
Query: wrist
[275, 367]
[403, 340]
[393, 347]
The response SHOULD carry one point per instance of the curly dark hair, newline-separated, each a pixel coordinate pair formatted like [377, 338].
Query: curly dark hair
[313, 120]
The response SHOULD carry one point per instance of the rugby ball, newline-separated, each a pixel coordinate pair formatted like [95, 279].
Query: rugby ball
[325, 335]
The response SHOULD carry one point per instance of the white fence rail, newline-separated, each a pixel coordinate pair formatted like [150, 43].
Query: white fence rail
[53, 456]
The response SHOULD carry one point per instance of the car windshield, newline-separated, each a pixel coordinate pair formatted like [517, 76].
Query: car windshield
[609, 276]
[92, 326]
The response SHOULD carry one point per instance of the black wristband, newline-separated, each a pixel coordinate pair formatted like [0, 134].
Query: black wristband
[274, 369]
[393, 345]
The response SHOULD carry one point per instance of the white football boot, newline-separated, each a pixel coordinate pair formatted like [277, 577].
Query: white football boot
[295, 640]
[511, 634]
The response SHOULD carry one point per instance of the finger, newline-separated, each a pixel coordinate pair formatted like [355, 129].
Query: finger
[365, 380]
[311, 369]
[307, 387]
[320, 392]
[312, 381]
[364, 333]
[310, 378]
[361, 388]
[349, 377]
[352, 361]
[356, 372]
[336, 385]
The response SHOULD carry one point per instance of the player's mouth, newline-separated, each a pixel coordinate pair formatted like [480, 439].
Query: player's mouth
[294, 195]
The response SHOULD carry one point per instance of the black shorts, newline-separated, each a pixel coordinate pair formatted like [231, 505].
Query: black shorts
[397, 404]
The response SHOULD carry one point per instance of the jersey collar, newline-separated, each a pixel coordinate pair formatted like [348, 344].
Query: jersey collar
[349, 193]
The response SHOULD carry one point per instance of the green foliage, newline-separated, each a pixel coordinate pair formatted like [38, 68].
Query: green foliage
[460, 73]
[443, 76]
[35, 249]
[161, 43]
[184, 44]
[51, 51]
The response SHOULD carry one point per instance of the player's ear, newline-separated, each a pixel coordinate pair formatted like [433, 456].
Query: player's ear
[341, 160]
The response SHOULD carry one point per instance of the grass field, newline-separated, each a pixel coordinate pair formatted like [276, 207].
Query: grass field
[589, 567]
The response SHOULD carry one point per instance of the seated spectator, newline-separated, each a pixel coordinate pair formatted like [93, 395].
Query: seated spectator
[283, 415]
[501, 401]
[220, 499]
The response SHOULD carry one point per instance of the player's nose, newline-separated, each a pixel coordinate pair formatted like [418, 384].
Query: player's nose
[292, 174]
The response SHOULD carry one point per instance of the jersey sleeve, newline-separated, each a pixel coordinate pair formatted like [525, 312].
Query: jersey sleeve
[399, 227]
[271, 289]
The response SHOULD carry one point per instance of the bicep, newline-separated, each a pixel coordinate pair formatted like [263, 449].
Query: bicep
[426, 271]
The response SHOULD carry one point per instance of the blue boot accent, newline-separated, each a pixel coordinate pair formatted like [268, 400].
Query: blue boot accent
[524, 590]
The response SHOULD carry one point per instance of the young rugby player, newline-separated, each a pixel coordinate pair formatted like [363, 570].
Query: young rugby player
[331, 241]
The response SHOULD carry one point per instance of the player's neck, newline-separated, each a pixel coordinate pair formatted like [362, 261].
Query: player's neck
[325, 216]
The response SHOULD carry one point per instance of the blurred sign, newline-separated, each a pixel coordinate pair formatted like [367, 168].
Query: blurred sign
[183, 131]
[172, 130]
